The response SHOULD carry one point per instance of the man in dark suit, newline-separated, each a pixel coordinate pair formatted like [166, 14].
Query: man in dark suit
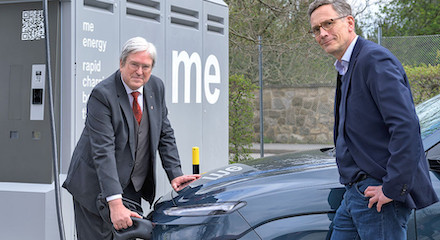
[115, 157]
[379, 150]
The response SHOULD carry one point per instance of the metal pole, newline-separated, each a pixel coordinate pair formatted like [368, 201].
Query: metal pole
[260, 68]
[379, 35]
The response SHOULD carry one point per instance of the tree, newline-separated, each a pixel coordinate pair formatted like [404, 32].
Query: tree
[241, 112]
[290, 55]
[410, 18]
[365, 13]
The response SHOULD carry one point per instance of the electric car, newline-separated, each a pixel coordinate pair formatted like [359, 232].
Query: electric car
[287, 196]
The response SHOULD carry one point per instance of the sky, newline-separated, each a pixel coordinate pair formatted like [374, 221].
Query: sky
[372, 8]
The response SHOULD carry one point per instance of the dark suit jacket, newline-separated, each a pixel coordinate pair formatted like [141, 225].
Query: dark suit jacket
[104, 156]
[381, 127]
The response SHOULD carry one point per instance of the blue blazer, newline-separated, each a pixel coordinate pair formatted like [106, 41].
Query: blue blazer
[380, 125]
[104, 157]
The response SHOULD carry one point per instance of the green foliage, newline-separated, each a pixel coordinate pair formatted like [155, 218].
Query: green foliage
[424, 81]
[241, 95]
[267, 140]
[410, 17]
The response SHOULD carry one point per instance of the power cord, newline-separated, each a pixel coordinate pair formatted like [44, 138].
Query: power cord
[52, 124]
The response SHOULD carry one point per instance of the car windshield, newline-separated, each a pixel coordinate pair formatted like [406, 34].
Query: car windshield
[429, 116]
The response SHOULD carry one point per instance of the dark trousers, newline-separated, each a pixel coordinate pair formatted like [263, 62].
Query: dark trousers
[90, 226]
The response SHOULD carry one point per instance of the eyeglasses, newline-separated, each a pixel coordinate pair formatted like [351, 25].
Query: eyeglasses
[135, 66]
[326, 25]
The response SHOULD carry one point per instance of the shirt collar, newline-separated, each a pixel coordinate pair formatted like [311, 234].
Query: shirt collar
[129, 90]
[342, 66]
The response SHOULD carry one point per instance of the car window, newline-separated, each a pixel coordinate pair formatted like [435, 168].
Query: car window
[429, 116]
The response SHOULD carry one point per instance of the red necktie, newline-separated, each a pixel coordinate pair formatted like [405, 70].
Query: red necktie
[136, 108]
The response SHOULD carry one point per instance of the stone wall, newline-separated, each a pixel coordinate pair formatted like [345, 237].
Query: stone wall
[296, 115]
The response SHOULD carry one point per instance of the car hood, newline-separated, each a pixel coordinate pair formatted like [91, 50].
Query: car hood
[280, 180]
[240, 179]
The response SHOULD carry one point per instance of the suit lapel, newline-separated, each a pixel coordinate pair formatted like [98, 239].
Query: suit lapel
[353, 59]
[150, 107]
[127, 112]
[346, 85]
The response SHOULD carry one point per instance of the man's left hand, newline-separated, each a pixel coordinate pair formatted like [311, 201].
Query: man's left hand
[181, 182]
[376, 195]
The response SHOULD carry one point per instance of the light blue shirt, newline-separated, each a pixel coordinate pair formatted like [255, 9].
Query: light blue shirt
[342, 66]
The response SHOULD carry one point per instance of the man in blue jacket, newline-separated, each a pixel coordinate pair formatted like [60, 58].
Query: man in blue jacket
[379, 150]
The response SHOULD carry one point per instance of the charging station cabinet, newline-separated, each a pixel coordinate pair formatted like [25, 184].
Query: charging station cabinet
[86, 36]
[25, 138]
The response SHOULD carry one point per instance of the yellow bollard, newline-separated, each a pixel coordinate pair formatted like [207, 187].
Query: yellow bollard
[196, 160]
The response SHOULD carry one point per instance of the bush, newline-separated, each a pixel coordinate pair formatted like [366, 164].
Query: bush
[241, 95]
[424, 81]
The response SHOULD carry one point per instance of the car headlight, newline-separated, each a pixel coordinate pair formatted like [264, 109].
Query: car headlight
[204, 209]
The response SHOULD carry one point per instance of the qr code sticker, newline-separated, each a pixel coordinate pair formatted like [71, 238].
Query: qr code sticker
[32, 25]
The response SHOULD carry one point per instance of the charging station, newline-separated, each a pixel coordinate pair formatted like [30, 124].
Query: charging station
[191, 38]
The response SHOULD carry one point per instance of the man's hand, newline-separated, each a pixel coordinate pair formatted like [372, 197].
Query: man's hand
[120, 215]
[376, 196]
[181, 182]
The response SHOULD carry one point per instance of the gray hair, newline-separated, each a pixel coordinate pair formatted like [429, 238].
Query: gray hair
[340, 6]
[137, 44]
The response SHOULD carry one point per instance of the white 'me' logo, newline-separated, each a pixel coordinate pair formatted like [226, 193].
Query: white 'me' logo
[210, 77]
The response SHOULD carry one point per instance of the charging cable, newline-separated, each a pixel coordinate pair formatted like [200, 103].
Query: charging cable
[52, 124]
